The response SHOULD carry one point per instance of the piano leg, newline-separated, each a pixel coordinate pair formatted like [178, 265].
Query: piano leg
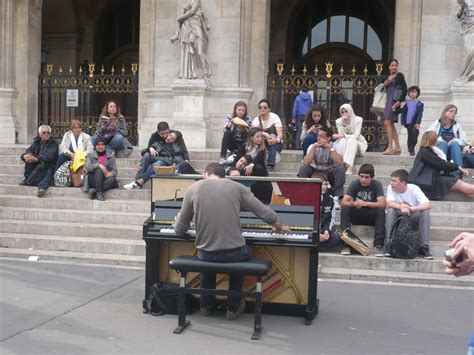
[313, 302]
[151, 271]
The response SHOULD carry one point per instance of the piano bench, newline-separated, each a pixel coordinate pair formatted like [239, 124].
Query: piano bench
[184, 264]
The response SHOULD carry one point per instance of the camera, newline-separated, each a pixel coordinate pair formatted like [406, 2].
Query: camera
[448, 256]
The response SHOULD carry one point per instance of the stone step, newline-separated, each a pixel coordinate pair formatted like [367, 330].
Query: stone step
[89, 258]
[72, 204]
[72, 244]
[394, 277]
[440, 233]
[105, 217]
[69, 201]
[81, 229]
[119, 194]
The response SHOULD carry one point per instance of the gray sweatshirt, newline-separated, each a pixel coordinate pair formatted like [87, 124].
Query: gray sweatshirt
[215, 205]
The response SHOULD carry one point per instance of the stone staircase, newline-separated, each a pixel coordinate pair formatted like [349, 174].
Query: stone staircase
[67, 226]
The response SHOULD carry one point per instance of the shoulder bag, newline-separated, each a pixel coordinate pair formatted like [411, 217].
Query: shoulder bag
[380, 100]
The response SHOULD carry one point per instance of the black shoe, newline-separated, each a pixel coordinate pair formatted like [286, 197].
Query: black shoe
[100, 196]
[270, 168]
[425, 253]
[41, 192]
[23, 183]
[92, 194]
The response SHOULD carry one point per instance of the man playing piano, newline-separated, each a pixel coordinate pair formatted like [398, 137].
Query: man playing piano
[215, 204]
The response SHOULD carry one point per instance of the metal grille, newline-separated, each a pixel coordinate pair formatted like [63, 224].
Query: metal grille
[65, 95]
[330, 90]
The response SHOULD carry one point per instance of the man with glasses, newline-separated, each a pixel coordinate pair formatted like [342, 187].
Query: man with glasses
[364, 204]
[40, 160]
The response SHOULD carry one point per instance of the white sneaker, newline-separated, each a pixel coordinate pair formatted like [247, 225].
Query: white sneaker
[132, 186]
[336, 203]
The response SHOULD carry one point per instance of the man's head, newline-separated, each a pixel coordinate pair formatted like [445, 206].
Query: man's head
[171, 137]
[399, 180]
[214, 171]
[163, 129]
[366, 174]
[234, 171]
[243, 162]
[44, 132]
[323, 135]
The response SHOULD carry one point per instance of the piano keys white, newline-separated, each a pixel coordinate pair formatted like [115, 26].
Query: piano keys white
[250, 235]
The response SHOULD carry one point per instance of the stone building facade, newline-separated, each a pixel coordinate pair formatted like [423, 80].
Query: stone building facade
[246, 37]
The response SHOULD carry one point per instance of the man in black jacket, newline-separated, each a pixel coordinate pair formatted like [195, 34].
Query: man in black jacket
[40, 159]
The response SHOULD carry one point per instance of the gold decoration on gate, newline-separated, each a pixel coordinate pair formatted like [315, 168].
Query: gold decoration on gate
[329, 69]
[91, 70]
[134, 67]
[280, 67]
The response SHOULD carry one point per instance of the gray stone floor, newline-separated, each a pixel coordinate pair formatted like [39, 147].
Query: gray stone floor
[56, 308]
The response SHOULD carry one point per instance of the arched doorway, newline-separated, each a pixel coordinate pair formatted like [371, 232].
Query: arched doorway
[92, 54]
[334, 48]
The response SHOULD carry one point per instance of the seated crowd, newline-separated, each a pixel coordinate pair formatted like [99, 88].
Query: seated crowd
[251, 147]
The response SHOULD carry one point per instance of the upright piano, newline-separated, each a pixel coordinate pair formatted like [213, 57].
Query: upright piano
[291, 286]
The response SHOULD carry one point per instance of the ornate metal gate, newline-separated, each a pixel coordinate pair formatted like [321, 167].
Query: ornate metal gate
[65, 95]
[330, 89]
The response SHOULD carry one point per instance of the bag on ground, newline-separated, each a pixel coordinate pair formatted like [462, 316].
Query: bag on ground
[62, 176]
[164, 299]
[404, 238]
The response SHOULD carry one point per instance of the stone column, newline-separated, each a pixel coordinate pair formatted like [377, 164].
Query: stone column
[7, 93]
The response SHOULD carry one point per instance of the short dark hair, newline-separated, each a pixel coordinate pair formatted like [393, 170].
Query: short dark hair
[266, 101]
[215, 169]
[367, 169]
[100, 140]
[327, 130]
[415, 88]
[232, 169]
[402, 174]
[162, 126]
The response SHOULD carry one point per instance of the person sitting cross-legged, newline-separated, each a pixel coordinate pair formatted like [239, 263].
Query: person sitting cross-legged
[364, 204]
[408, 199]
[322, 158]
[40, 159]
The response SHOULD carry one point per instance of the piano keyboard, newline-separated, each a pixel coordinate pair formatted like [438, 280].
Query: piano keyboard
[250, 235]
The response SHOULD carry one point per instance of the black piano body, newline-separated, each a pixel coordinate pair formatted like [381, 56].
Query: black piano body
[291, 288]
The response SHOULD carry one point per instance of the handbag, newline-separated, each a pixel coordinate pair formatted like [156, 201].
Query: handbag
[77, 177]
[380, 100]
[62, 176]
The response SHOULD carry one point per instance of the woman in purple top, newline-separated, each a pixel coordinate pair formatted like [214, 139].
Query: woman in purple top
[396, 89]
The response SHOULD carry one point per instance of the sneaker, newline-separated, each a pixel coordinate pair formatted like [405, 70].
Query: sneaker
[100, 196]
[132, 186]
[387, 254]
[238, 312]
[41, 192]
[346, 250]
[205, 312]
[92, 194]
[337, 205]
[378, 251]
[425, 253]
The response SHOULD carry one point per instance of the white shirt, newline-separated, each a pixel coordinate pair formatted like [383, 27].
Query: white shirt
[413, 196]
[273, 119]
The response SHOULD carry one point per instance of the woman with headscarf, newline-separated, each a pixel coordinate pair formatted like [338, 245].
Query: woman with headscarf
[350, 142]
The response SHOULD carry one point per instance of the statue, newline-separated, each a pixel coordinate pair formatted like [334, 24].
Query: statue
[466, 16]
[192, 34]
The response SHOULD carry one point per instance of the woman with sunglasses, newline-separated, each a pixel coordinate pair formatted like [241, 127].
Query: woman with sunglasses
[101, 171]
[272, 128]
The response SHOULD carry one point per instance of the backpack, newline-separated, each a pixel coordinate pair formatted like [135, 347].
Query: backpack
[62, 176]
[404, 238]
[164, 299]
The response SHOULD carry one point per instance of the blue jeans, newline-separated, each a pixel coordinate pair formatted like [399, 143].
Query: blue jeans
[272, 151]
[235, 281]
[452, 150]
[116, 143]
[469, 160]
[310, 139]
[299, 125]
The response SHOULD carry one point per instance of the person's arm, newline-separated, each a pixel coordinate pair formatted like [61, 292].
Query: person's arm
[462, 137]
[50, 154]
[182, 145]
[304, 131]
[87, 143]
[228, 123]
[403, 85]
[90, 164]
[380, 202]
[309, 157]
[425, 206]
[112, 168]
[419, 114]
[463, 245]
[186, 213]
[428, 157]
[336, 156]
[347, 201]
[64, 146]
[195, 5]
[295, 109]
[122, 126]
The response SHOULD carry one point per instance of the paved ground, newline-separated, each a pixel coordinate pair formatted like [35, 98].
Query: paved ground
[53, 308]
